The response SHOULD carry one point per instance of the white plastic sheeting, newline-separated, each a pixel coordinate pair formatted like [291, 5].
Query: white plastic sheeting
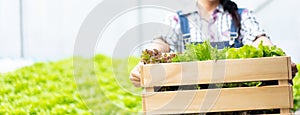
[9, 65]
[51, 26]
[9, 28]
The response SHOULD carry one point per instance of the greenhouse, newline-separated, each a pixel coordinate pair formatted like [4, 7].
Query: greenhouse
[106, 57]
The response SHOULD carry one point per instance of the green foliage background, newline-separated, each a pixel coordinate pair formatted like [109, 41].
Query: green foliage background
[296, 90]
[50, 88]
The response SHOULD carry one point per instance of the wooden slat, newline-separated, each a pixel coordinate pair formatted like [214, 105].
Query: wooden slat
[142, 71]
[149, 89]
[204, 72]
[144, 104]
[217, 100]
[291, 97]
[146, 90]
[290, 89]
[289, 66]
[286, 110]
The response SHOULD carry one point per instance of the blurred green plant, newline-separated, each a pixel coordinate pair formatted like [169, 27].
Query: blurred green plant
[296, 90]
[50, 88]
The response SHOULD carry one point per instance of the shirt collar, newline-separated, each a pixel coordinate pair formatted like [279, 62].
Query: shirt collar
[220, 8]
[194, 8]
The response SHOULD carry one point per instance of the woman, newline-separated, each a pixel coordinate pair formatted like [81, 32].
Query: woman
[224, 14]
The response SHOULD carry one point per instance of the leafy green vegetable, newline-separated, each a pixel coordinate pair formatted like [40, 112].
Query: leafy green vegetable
[199, 52]
[116, 85]
[43, 88]
[269, 51]
[296, 90]
[49, 88]
[204, 51]
[248, 51]
[154, 56]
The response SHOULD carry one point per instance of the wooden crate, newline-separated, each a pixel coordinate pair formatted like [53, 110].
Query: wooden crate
[218, 100]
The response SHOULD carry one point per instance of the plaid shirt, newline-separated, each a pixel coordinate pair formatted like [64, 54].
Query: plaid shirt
[216, 29]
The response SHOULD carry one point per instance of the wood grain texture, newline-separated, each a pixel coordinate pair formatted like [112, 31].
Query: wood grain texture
[289, 98]
[289, 66]
[204, 72]
[217, 100]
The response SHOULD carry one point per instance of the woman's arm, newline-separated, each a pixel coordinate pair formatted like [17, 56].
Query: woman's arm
[254, 34]
[164, 43]
[135, 74]
[266, 41]
[160, 45]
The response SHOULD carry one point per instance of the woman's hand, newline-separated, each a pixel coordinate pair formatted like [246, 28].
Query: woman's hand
[266, 41]
[294, 69]
[135, 75]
